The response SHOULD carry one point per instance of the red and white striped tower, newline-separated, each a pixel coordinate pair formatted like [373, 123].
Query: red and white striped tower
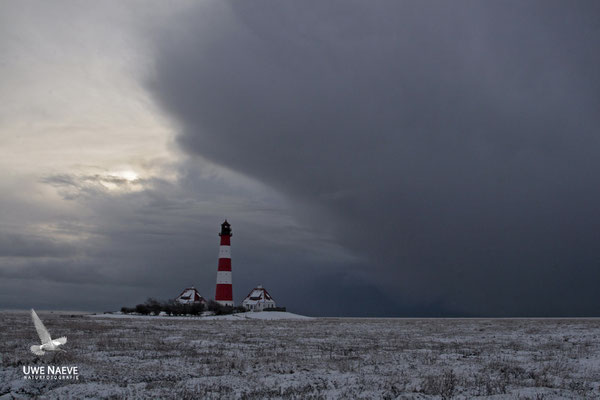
[224, 292]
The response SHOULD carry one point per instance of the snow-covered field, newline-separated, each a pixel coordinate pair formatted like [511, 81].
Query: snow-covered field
[306, 358]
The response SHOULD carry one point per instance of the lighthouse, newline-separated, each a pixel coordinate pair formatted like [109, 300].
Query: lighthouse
[224, 292]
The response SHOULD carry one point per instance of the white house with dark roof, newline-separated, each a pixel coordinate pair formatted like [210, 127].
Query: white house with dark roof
[258, 299]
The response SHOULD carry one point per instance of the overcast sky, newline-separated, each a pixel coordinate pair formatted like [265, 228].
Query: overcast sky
[399, 158]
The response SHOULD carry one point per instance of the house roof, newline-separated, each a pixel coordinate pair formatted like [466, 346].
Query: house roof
[258, 295]
[189, 295]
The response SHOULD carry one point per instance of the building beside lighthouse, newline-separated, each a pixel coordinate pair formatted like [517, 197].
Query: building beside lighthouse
[190, 296]
[258, 299]
[224, 289]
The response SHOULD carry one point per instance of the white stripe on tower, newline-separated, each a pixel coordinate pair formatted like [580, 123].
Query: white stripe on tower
[224, 251]
[224, 277]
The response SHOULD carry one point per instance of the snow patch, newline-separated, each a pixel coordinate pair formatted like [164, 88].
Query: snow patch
[261, 315]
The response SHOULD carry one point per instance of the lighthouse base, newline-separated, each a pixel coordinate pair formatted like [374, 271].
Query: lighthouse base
[225, 303]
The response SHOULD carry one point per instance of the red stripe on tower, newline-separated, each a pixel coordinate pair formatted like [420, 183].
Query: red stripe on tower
[224, 292]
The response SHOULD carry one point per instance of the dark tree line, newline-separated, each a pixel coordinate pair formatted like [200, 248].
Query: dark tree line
[172, 307]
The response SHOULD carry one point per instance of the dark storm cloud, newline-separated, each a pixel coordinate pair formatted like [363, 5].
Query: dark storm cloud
[452, 146]
[16, 245]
